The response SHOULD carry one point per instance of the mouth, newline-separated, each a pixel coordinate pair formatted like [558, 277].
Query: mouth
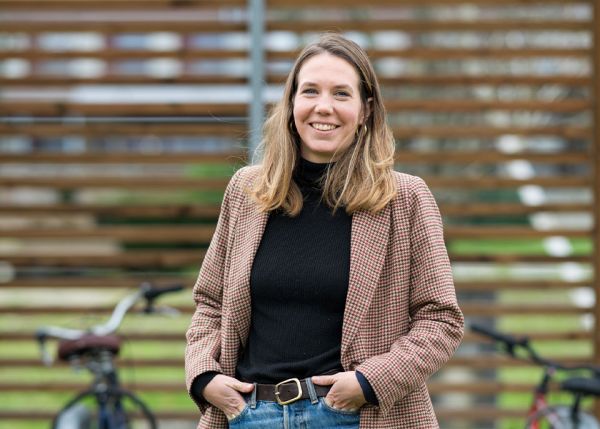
[319, 126]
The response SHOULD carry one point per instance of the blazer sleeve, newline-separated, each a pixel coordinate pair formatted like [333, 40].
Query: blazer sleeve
[204, 333]
[436, 321]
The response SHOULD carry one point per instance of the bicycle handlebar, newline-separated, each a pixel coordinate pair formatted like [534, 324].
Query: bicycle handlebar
[146, 291]
[511, 343]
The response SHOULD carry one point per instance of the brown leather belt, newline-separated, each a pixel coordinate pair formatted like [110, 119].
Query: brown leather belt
[287, 391]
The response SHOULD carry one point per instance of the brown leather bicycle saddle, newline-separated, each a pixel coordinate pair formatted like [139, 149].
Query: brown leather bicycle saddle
[87, 344]
[584, 386]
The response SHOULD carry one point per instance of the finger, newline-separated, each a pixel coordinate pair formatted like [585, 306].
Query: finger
[323, 380]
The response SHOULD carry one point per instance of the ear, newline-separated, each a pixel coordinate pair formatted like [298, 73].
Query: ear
[368, 109]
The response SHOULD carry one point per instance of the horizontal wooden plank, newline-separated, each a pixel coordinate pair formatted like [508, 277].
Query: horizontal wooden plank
[138, 211]
[124, 182]
[193, 4]
[115, 26]
[141, 182]
[202, 54]
[201, 211]
[125, 158]
[219, 25]
[519, 259]
[117, 4]
[11, 107]
[423, 3]
[497, 286]
[479, 413]
[469, 338]
[167, 258]
[138, 386]
[479, 105]
[488, 156]
[490, 309]
[478, 387]
[498, 182]
[123, 281]
[133, 336]
[421, 26]
[503, 231]
[469, 308]
[485, 361]
[146, 233]
[110, 281]
[125, 363]
[562, 335]
[402, 156]
[111, 127]
[495, 209]
[55, 108]
[228, 128]
[87, 129]
[185, 258]
[441, 131]
[429, 79]
[203, 233]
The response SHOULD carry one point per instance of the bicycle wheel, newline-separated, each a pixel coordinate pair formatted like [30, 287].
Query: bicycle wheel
[121, 410]
[559, 417]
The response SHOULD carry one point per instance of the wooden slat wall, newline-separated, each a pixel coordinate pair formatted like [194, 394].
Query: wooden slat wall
[492, 104]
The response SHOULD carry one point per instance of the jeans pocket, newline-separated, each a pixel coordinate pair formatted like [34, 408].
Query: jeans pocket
[337, 410]
[239, 416]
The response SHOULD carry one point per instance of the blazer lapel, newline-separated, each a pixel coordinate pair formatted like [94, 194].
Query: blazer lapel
[368, 246]
[249, 232]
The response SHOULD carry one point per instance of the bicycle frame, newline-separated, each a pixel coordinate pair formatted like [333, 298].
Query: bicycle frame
[539, 398]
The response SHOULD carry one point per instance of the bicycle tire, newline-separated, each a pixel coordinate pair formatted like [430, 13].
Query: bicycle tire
[85, 414]
[559, 417]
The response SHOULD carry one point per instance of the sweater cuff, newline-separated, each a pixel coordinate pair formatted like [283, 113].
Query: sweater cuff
[200, 383]
[368, 391]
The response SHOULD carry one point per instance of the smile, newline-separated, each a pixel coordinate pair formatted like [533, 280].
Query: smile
[323, 127]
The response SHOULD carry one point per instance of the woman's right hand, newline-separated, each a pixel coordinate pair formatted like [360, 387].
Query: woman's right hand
[224, 393]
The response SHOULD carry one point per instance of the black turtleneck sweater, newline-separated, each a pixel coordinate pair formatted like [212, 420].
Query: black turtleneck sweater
[298, 283]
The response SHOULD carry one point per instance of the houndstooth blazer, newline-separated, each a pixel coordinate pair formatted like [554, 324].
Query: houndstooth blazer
[401, 321]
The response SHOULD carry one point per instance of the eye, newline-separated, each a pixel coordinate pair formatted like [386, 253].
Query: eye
[342, 93]
[309, 91]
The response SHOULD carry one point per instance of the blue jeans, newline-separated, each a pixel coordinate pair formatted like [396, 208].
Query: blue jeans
[311, 413]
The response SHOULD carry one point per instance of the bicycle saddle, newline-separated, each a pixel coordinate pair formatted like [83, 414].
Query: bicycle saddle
[88, 343]
[583, 386]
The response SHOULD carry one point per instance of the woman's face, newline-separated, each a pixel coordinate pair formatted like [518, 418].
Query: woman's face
[327, 107]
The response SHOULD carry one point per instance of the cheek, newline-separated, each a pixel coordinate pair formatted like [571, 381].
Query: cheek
[299, 111]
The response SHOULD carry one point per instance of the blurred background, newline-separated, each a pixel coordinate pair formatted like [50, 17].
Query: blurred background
[121, 122]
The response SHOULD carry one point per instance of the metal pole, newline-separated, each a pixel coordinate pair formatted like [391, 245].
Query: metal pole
[257, 73]
[596, 185]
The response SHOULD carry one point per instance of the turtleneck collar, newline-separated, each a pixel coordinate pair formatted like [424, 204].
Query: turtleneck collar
[309, 173]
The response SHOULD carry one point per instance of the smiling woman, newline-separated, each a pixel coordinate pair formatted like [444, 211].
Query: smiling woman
[325, 299]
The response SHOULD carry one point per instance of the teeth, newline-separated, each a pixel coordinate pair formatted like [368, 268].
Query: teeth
[323, 127]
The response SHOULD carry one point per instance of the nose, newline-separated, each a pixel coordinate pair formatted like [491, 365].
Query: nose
[324, 106]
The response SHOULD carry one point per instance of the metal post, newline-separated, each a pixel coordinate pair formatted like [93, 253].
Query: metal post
[257, 73]
[596, 184]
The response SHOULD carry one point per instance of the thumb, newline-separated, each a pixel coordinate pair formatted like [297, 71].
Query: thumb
[242, 387]
[323, 380]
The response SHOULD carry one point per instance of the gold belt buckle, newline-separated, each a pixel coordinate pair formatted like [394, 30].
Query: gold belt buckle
[291, 380]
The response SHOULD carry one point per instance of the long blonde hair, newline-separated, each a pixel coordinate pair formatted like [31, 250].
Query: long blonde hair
[362, 176]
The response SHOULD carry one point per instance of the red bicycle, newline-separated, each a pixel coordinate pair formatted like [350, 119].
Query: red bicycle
[541, 414]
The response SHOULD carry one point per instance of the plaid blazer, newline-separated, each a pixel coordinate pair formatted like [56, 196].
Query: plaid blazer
[401, 320]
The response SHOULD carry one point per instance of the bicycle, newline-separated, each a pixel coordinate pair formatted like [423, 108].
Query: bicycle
[105, 404]
[542, 415]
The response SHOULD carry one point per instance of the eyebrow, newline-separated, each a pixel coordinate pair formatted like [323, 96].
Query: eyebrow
[335, 87]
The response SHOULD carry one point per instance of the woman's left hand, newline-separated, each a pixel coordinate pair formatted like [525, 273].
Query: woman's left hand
[345, 394]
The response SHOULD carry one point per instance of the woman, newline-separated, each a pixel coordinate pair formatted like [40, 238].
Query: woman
[326, 298]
